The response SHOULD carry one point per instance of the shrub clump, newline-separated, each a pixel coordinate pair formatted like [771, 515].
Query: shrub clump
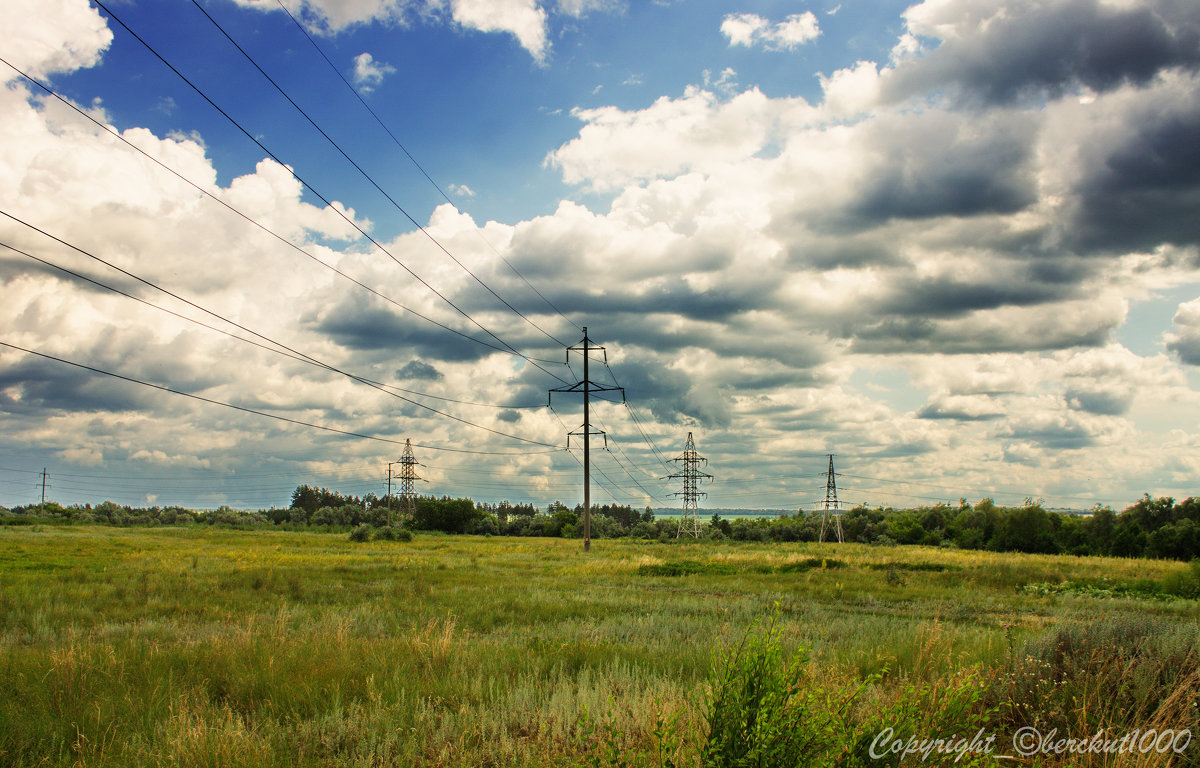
[764, 708]
[807, 564]
[684, 568]
[393, 533]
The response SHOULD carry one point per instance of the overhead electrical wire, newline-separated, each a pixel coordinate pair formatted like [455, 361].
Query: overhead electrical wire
[634, 479]
[601, 483]
[603, 474]
[296, 355]
[624, 401]
[244, 409]
[654, 448]
[367, 176]
[153, 51]
[614, 441]
[662, 457]
[288, 354]
[418, 166]
[117, 135]
[194, 470]
[315, 192]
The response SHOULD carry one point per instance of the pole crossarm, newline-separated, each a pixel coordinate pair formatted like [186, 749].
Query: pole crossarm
[591, 387]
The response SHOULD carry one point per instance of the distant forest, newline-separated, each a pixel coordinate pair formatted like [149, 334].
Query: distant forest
[1155, 528]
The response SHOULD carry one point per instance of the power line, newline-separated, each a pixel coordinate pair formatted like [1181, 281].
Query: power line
[296, 355]
[662, 457]
[634, 479]
[298, 358]
[418, 166]
[621, 451]
[367, 176]
[117, 135]
[244, 409]
[321, 197]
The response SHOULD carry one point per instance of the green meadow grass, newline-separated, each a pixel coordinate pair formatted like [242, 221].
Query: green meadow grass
[202, 647]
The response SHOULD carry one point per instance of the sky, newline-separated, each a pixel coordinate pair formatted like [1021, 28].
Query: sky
[954, 243]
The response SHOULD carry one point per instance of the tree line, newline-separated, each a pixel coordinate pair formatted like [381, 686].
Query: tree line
[1152, 527]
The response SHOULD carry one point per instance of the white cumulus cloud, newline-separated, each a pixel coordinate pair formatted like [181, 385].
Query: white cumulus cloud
[523, 19]
[45, 36]
[1185, 339]
[750, 30]
[369, 73]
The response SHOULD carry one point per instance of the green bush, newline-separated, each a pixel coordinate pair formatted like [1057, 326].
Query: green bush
[361, 533]
[1185, 584]
[683, 568]
[824, 563]
[764, 710]
[393, 533]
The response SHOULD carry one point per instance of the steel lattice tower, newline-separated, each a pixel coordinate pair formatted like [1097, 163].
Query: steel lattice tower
[832, 507]
[408, 478]
[690, 461]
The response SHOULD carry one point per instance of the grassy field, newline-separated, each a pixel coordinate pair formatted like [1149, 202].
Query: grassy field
[201, 647]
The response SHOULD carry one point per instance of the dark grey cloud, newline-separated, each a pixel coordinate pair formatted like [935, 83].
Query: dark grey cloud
[744, 337]
[1039, 49]
[618, 293]
[900, 449]
[675, 297]
[1145, 190]
[1187, 347]
[937, 164]
[371, 328]
[673, 396]
[1099, 401]
[41, 382]
[416, 370]
[847, 249]
[35, 385]
[940, 410]
[1058, 436]
[947, 297]
[919, 335]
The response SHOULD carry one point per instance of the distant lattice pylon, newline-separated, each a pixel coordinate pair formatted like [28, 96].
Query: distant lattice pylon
[832, 508]
[408, 478]
[690, 463]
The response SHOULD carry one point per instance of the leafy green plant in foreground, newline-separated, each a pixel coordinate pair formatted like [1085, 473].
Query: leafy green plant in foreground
[765, 710]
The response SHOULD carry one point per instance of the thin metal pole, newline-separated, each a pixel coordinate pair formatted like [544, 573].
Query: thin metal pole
[587, 457]
[389, 494]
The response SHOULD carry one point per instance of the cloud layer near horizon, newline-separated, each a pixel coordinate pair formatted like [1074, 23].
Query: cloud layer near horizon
[928, 268]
